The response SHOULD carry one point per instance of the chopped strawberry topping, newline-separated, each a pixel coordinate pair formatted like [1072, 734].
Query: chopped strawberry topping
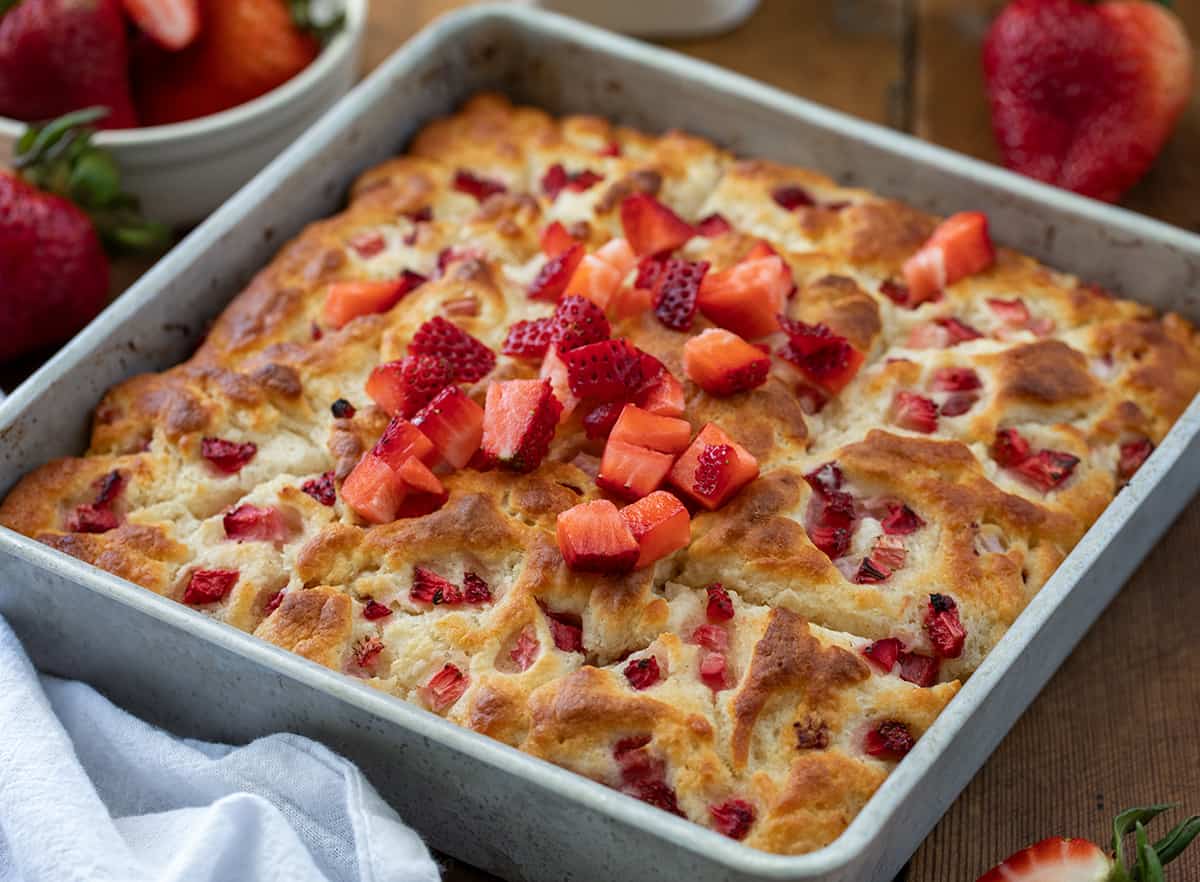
[429, 587]
[958, 248]
[958, 404]
[1012, 312]
[554, 371]
[959, 331]
[914, 412]
[209, 586]
[228, 457]
[889, 552]
[632, 471]
[732, 818]
[366, 245]
[472, 185]
[401, 388]
[649, 270]
[527, 339]
[595, 279]
[374, 610]
[577, 322]
[723, 364]
[955, 379]
[399, 441]
[712, 226]
[644, 776]
[342, 409]
[454, 425]
[831, 518]
[898, 294]
[605, 371]
[519, 420]
[374, 491]
[824, 357]
[652, 228]
[1047, 469]
[551, 281]
[676, 290]
[556, 179]
[1132, 455]
[600, 420]
[593, 537]
[790, 197]
[366, 651]
[663, 395]
[884, 654]
[612, 148]
[713, 468]
[945, 629]
[661, 433]
[525, 650]
[825, 478]
[555, 240]
[90, 518]
[871, 571]
[250, 523]
[470, 359]
[748, 297]
[711, 637]
[1010, 449]
[418, 477]
[720, 604]
[445, 688]
[273, 604]
[712, 671]
[476, 589]
[901, 520]
[660, 525]
[920, 670]
[566, 630]
[890, 740]
[642, 673]
[349, 300]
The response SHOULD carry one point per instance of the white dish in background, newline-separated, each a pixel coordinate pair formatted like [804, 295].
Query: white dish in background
[184, 171]
[655, 18]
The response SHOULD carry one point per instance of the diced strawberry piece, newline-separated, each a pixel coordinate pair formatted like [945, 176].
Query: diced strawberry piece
[790, 197]
[1011, 312]
[1132, 455]
[676, 292]
[400, 440]
[660, 525]
[897, 293]
[172, 24]
[945, 629]
[914, 412]
[556, 240]
[556, 179]
[593, 537]
[953, 379]
[612, 148]
[604, 371]
[884, 654]
[429, 587]
[519, 419]
[209, 586]
[401, 388]
[663, 396]
[373, 610]
[473, 185]
[274, 603]
[649, 271]
[720, 604]
[958, 248]
[596, 279]
[419, 478]
[349, 300]
[90, 518]
[901, 520]
[711, 637]
[652, 228]
[1047, 469]
[526, 649]
[554, 370]
[871, 571]
[453, 423]
[566, 630]
[732, 818]
[713, 468]
[712, 226]
[577, 321]
[374, 491]
[631, 471]
[599, 421]
[228, 457]
[920, 670]
[367, 245]
[748, 297]
[642, 673]
[367, 651]
[251, 523]
[445, 688]
[959, 331]
[958, 404]
[722, 363]
[831, 522]
[824, 357]
[109, 487]
[628, 302]
[527, 339]
[1009, 448]
[476, 589]
[619, 255]
[889, 552]
[470, 359]
[825, 478]
[928, 336]
[551, 280]
[664, 434]
[890, 740]
[712, 671]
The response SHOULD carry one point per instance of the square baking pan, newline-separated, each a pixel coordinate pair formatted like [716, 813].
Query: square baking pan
[474, 798]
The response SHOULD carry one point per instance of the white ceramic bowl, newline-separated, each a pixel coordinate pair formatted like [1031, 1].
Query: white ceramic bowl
[183, 171]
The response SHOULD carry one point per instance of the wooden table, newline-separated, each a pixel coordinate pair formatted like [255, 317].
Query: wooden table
[1118, 725]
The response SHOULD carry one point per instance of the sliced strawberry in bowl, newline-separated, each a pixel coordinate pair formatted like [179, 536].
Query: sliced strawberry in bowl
[920, 670]
[323, 489]
[825, 358]
[714, 667]
[401, 388]
[732, 818]
[172, 24]
[631, 471]
[554, 371]
[914, 412]
[900, 520]
[551, 280]
[652, 228]
[593, 537]
[959, 247]
[1013, 313]
[722, 363]
[519, 419]
[660, 525]
[454, 425]
[714, 468]
[661, 433]
[676, 291]
[719, 607]
[470, 359]
[789, 197]
[748, 297]
[596, 279]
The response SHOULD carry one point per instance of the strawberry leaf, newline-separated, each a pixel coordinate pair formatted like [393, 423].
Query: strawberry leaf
[1173, 844]
[319, 19]
[1125, 822]
[1149, 868]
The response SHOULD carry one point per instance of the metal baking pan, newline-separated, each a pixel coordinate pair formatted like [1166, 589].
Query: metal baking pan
[472, 797]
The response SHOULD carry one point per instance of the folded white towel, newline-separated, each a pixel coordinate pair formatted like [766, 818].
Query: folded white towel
[88, 792]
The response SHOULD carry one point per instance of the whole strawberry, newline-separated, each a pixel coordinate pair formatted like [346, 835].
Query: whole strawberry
[62, 55]
[1084, 96]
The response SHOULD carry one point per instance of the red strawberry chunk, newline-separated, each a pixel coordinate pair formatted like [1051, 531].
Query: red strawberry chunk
[711, 637]
[90, 518]
[367, 244]
[732, 818]
[945, 629]
[955, 379]
[712, 226]
[958, 404]
[349, 299]
[593, 537]
[660, 525]
[790, 197]
[1009, 448]
[824, 357]
[612, 148]
[723, 364]
[901, 520]
[566, 630]
[713, 468]
[1047, 469]
[209, 586]
[470, 359]
[401, 388]
[399, 441]
[884, 654]
[454, 425]
[642, 673]
[554, 371]
[652, 228]
[109, 487]
[664, 434]
[527, 339]
[551, 280]
[374, 491]
[914, 412]
[367, 651]
[632, 471]
[604, 371]
[274, 603]
[871, 571]
[889, 552]
[825, 478]
[890, 740]
[556, 179]
[959, 247]
[600, 420]
[374, 610]
[577, 322]
[429, 587]
[519, 419]
[227, 457]
[525, 650]
[676, 291]
[1132, 455]
[250, 523]
[476, 589]
[720, 604]
[897, 293]
[959, 331]
[748, 297]
[713, 668]
[663, 396]
[445, 688]
[555, 240]
[419, 478]
[644, 776]
[1011, 312]
[649, 271]
[920, 670]
[472, 185]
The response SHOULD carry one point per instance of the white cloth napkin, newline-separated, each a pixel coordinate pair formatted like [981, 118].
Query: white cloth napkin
[88, 792]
